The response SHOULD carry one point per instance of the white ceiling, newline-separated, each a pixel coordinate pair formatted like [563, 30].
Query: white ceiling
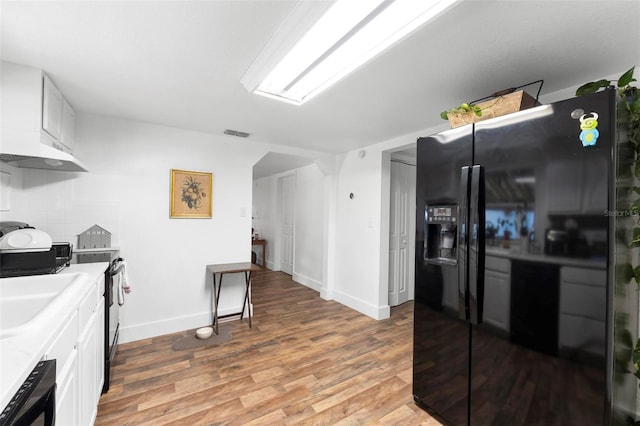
[179, 63]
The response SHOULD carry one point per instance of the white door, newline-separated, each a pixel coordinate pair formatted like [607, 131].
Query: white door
[401, 233]
[287, 223]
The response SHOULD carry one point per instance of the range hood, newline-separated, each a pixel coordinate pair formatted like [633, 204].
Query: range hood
[45, 157]
[25, 104]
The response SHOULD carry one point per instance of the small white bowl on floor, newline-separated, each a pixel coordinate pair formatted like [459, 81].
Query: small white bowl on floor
[204, 332]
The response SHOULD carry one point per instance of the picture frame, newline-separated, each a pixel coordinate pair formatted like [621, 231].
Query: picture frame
[191, 194]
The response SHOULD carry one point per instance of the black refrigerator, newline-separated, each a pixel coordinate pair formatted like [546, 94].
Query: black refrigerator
[512, 320]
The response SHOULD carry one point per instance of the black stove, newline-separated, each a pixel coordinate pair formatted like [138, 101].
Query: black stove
[112, 281]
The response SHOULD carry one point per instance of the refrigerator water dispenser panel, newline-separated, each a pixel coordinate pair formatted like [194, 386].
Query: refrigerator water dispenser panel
[441, 226]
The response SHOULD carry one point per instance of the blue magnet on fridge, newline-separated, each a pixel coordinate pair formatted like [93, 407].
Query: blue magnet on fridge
[589, 126]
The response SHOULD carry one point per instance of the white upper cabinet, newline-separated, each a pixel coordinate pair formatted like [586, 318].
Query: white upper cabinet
[34, 112]
[68, 135]
[58, 118]
[51, 109]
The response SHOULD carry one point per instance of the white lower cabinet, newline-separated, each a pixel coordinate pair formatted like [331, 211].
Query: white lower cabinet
[67, 392]
[87, 368]
[582, 310]
[79, 353]
[100, 346]
[497, 292]
[89, 349]
[63, 350]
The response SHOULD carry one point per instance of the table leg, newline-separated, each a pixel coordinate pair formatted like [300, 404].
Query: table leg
[247, 296]
[216, 299]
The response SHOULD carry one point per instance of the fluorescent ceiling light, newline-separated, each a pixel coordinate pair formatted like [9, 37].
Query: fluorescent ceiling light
[347, 35]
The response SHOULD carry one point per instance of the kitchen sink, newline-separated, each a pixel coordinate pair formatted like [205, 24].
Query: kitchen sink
[17, 311]
[26, 301]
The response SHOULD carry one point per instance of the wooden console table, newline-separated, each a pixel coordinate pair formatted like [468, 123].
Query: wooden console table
[230, 268]
[262, 243]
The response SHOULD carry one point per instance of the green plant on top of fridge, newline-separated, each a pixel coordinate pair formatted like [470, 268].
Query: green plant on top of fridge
[463, 109]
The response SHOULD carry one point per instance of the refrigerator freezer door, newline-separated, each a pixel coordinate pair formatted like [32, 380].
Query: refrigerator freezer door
[441, 338]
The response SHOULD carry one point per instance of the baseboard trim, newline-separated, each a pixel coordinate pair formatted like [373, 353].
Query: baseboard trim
[151, 329]
[366, 308]
[306, 281]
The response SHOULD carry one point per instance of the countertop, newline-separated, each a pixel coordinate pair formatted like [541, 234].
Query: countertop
[516, 254]
[96, 250]
[20, 354]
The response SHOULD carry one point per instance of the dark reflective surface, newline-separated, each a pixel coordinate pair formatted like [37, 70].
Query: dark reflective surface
[441, 355]
[539, 353]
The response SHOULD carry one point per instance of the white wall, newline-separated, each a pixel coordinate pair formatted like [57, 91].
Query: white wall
[357, 234]
[127, 192]
[309, 227]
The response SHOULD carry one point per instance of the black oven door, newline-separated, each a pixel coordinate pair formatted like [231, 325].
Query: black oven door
[35, 402]
[113, 275]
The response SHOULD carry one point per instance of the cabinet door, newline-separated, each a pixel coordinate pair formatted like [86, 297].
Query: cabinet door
[64, 343]
[496, 299]
[87, 372]
[51, 109]
[67, 393]
[68, 126]
[100, 347]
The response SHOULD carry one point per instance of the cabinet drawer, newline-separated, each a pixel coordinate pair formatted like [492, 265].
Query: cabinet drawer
[591, 277]
[64, 345]
[499, 264]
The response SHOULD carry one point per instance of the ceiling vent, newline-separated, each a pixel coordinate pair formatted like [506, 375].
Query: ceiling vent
[236, 133]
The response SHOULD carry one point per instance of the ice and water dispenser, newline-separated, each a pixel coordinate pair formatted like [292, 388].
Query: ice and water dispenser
[441, 225]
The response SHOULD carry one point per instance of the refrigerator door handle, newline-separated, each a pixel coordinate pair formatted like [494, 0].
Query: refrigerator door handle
[476, 247]
[463, 248]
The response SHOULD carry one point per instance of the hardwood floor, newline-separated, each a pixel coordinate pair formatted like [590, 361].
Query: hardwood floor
[305, 361]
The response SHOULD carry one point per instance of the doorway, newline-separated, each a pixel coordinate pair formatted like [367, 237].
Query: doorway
[401, 230]
[267, 206]
[286, 185]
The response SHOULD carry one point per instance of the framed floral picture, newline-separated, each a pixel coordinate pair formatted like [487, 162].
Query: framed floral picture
[191, 194]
